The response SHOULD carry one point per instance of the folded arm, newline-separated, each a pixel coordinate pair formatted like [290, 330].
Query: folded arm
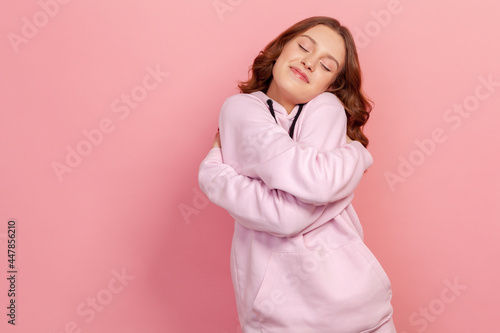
[253, 204]
[259, 148]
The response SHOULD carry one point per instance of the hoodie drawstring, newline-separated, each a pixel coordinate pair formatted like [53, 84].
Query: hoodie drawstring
[292, 127]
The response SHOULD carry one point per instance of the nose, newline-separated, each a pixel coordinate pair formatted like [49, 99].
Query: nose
[308, 63]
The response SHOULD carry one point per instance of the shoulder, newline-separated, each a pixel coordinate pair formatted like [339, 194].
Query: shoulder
[326, 106]
[327, 98]
[242, 99]
[241, 105]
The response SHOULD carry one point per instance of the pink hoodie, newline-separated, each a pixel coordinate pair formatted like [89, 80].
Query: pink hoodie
[298, 261]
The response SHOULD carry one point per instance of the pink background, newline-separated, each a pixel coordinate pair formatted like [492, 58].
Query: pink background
[132, 205]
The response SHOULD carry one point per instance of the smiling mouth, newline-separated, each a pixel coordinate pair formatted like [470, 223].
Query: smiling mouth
[299, 74]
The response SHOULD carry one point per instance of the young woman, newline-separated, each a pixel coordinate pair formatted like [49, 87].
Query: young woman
[286, 172]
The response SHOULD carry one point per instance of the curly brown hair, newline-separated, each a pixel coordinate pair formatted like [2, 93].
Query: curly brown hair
[347, 85]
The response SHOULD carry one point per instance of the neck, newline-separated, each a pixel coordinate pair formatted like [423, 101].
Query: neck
[274, 94]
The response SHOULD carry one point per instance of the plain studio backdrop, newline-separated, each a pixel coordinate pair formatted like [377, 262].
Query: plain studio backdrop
[107, 109]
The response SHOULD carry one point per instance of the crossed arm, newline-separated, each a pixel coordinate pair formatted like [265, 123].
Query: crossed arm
[257, 206]
[259, 148]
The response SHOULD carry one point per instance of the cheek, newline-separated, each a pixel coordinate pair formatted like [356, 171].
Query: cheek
[287, 55]
[279, 68]
[322, 84]
[278, 64]
[330, 81]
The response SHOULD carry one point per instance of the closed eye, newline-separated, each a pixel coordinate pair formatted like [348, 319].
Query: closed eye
[303, 48]
[326, 68]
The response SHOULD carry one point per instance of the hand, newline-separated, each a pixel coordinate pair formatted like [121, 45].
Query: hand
[348, 139]
[216, 143]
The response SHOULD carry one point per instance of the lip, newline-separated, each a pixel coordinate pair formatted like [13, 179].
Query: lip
[300, 74]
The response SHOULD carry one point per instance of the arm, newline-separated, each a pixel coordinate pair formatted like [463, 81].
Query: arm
[257, 207]
[253, 204]
[259, 148]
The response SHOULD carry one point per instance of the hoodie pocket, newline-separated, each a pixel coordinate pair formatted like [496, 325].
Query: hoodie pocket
[344, 290]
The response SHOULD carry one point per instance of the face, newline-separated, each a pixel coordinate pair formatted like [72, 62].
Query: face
[307, 66]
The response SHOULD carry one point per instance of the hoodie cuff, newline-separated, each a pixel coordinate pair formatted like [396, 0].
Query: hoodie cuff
[367, 157]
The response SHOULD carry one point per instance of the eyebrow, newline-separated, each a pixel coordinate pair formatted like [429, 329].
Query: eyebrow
[328, 55]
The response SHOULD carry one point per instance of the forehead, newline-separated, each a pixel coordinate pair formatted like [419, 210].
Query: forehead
[326, 39]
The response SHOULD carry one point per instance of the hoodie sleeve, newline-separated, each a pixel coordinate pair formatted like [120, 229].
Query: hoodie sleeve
[253, 204]
[259, 148]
